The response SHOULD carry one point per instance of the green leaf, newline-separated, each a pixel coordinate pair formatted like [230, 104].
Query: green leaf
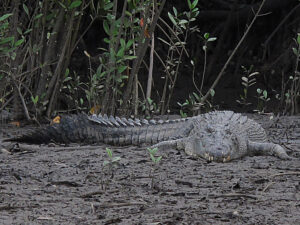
[298, 38]
[28, 31]
[150, 101]
[120, 53]
[5, 16]
[19, 30]
[129, 43]
[106, 27]
[182, 114]
[38, 16]
[175, 11]
[75, 4]
[4, 25]
[212, 39]
[109, 152]
[206, 36]
[158, 159]
[152, 157]
[13, 55]
[189, 4]
[102, 74]
[26, 9]
[196, 96]
[35, 99]
[19, 42]
[265, 93]
[245, 84]
[183, 21]
[172, 19]
[67, 79]
[245, 79]
[106, 40]
[122, 42]
[129, 57]
[116, 159]
[108, 6]
[152, 150]
[6, 40]
[112, 54]
[195, 11]
[67, 72]
[258, 90]
[105, 163]
[295, 51]
[35, 48]
[194, 4]
[122, 68]
[128, 13]
[212, 92]
[62, 5]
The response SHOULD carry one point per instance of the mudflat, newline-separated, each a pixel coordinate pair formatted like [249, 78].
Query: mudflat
[54, 184]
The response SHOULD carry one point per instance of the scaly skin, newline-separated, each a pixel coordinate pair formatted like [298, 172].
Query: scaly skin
[217, 136]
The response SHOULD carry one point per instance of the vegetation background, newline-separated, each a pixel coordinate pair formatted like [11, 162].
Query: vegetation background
[148, 56]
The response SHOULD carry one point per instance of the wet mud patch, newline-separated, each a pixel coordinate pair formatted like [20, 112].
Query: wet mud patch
[69, 185]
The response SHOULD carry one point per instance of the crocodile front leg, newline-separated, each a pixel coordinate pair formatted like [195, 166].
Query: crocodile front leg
[256, 148]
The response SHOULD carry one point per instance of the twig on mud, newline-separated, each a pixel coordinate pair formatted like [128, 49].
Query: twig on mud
[111, 205]
[283, 174]
[90, 194]
[234, 195]
[9, 207]
[33, 148]
[268, 185]
[66, 183]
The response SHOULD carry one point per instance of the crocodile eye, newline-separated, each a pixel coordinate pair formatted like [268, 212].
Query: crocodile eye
[209, 129]
[228, 131]
[234, 139]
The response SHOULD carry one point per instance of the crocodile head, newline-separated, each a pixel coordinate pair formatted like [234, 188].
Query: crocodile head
[220, 145]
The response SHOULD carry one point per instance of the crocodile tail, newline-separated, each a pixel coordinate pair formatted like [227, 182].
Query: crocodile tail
[62, 132]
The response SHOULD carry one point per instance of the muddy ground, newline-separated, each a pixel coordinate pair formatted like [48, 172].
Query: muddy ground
[63, 185]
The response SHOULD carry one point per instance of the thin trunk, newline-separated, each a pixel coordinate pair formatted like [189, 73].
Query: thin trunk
[108, 85]
[150, 75]
[142, 47]
[61, 65]
[50, 55]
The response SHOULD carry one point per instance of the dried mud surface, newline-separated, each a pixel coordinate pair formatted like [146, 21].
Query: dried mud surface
[59, 186]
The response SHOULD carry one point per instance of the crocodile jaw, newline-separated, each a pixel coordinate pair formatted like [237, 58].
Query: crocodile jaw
[211, 149]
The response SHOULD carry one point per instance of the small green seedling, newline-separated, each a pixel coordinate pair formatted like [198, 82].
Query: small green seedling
[248, 80]
[152, 152]
[262, 99]
[112, 160]
[110, 166]
[155, 160]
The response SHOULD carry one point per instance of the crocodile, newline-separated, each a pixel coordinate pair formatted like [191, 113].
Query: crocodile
[219, 136]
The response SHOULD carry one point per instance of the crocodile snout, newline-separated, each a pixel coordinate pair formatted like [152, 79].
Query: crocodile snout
[213, 150]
